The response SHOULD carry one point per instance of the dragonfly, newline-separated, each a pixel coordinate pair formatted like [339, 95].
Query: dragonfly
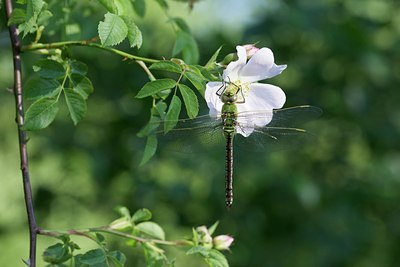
[229, 125]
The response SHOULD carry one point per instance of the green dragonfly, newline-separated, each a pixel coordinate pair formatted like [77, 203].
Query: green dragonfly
[211, 132]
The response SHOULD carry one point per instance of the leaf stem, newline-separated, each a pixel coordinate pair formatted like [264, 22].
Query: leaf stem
[22, 139]
[90, 43]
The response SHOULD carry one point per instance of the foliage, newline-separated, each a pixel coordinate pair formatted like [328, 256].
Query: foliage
[140, 231]
[329, 203]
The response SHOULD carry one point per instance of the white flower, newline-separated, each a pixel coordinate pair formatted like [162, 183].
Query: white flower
[242, 77]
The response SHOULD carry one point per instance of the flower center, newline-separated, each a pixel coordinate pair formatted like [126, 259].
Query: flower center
[241, 90]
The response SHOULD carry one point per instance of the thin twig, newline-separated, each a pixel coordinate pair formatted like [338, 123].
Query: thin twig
[107, 229]
[15, 43]
[85, 43]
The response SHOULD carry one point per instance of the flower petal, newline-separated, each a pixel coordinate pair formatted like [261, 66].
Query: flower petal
[234, 67]
[258, 106]
[260, 66]
[214, 102]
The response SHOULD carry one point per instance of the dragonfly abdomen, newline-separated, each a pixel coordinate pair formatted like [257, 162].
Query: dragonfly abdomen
[229, 171]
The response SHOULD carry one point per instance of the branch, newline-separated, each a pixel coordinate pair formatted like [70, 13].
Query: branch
[85, 43]
[15, 43]
[107, 229]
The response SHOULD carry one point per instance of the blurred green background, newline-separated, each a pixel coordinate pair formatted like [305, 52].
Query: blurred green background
[334, 202]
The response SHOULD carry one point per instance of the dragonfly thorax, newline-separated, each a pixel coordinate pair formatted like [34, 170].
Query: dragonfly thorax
[228, 97]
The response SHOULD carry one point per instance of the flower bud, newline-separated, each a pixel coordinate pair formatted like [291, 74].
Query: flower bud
[250, 50]
[222, 242]
[204, 235]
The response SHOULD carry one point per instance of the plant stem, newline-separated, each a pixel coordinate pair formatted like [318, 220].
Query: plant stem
[107, 229]
[33, 229]
[85, 43]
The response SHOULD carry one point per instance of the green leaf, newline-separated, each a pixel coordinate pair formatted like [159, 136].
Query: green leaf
[134, 34]
[141, 215]
[78, 67]
[190, 53]
[181, 24]
[149, 150]
[149, 128]
[109, 5]
[57, 253]
[100, 238]
[212, 61]
[117, 257]
[163, 4]
[76, 105]
[198, 250]
[197, 80]
[140, 7]
[190, 100]
[37, 87]
[167, 66]
[153, 87]
[40, 114]
[123, 211]
[112, 30]
[93, 257]
[17, 17]
[216, 259]
[180, 42]
[186, 44]
[172, 116]
[48, 68]
[160, 109]
[81, 85]
[152, 229]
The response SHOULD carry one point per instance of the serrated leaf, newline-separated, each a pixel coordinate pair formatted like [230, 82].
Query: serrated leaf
[166, 65]
[141, 215]
[140, 7]
[76, 105]
[109, 5]
[48, 68]
[180, 42]
[153, 87]
[198, 250]
[152, 229]
[213, 59]
[56, 254]
[186, 44]
[93, 257]
[44, 16]
[181, 24]
[172, 116]
[134, 34]
[112, 30]
[78, 67]
[190, 53]
[81, 85]
[17, 17]
[40, 114]
[197, 81]
[117, 257]
[190, 100]
[149, 150]
[37, 87]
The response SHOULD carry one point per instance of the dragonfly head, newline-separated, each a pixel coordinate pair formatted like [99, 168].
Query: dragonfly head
[229, 97]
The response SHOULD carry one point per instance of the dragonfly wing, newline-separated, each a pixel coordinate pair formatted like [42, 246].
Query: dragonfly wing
[200, 134]
[280, 133]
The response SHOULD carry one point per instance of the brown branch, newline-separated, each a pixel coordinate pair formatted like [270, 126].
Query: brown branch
[15, 43]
